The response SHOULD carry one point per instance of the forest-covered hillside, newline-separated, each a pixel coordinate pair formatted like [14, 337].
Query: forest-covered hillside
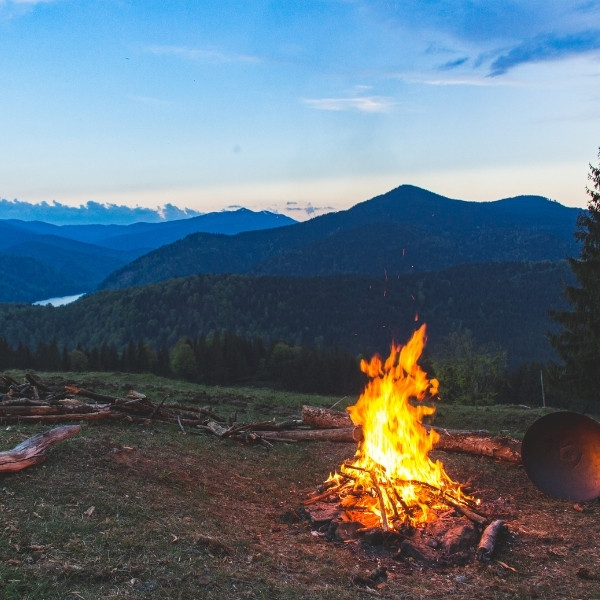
[504, 304]
[404, 231]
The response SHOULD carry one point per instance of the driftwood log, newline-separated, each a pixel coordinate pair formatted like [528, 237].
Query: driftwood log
[32, 451]
[452, 440]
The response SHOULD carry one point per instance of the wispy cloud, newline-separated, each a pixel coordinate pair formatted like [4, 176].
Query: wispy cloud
[369, 104]
[453, 64]
[206, 55]
[307, 210]
[545, 48]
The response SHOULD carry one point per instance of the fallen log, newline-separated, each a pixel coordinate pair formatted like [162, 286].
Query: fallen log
[487, 544]
[345, 434]
[325, 418]
[62, 418]
[32, 451]
[77, 391]
[45, 409]
[55, 413]
[481, 443]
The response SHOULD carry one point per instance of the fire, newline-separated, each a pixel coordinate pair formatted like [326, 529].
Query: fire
[391, 480]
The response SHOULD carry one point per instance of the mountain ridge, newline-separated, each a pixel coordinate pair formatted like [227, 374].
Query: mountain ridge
[407, 229]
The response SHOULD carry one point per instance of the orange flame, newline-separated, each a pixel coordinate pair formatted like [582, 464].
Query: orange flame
[391, 479]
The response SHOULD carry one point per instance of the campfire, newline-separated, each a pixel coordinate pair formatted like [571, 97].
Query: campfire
[392, 481]
[392, 488]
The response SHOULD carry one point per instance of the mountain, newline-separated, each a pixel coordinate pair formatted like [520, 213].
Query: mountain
[76, 258]
[141, 237]
[406, 230]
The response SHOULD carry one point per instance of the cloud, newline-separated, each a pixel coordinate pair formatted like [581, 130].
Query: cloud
[90, 212]
[453, 64]
[307, 210]
[369, 104]
[206, 55]
[544, 48]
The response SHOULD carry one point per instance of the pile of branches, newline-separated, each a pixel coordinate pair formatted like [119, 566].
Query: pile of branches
[34, 401]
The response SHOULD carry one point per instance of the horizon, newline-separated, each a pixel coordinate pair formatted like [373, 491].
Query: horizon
[112, 214]
[296, 108]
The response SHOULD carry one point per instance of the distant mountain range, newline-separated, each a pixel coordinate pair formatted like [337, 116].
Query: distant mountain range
[404, 231]
[72, 259]
[356, 279]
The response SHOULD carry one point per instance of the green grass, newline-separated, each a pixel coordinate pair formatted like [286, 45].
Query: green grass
[136, 511]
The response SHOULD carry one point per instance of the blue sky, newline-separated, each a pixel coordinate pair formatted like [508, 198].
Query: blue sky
[296, 106]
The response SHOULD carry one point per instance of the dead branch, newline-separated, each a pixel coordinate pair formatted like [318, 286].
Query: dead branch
[32, 451]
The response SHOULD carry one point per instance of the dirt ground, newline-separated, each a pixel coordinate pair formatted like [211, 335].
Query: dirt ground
[135, 512]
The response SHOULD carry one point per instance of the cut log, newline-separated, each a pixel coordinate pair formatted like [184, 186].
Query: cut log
[54, 413]
[346, 434]
[32, 451]
[488, 540]
[481, 443]
[62, 418]
[325, 418]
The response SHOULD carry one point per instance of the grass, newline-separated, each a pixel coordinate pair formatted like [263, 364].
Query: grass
[126, 510]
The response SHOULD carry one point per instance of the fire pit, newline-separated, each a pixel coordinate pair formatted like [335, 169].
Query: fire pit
[391, 493]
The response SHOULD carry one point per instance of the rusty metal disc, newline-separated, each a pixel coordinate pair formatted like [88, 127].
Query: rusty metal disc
[561, 456]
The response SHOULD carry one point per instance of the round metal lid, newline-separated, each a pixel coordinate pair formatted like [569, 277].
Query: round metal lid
[561, 456]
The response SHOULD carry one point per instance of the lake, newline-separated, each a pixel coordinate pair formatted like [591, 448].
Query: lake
[61, 301]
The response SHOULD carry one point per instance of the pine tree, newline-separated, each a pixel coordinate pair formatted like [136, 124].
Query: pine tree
[578, 343]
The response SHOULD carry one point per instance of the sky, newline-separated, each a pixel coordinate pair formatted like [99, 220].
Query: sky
[300, 107]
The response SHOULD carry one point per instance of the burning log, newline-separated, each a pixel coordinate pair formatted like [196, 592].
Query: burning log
[450, 440]
[32, 451]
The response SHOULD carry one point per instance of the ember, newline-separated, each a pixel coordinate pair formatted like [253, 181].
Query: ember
[391, 481]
